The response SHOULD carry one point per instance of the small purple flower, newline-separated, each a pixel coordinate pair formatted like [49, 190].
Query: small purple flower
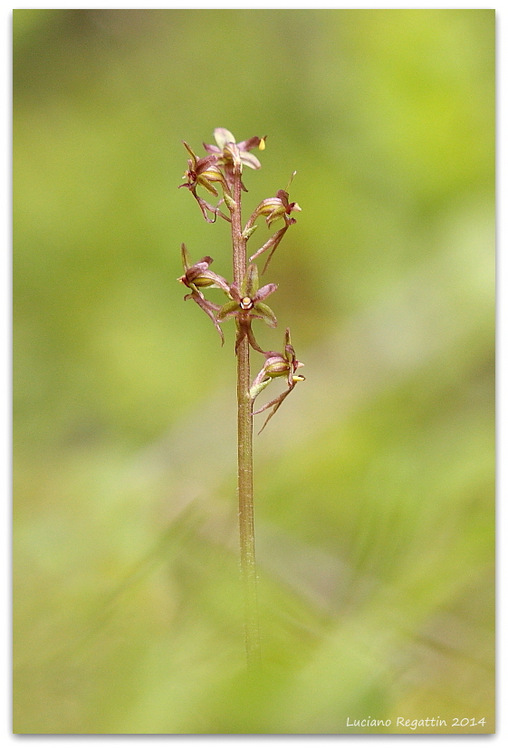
[232, 155]
[277, 365]
[274, 208]
[247, 303]
[199, 276]
[204, 172]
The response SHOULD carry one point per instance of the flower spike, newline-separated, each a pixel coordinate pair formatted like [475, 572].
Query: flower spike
[219, 172]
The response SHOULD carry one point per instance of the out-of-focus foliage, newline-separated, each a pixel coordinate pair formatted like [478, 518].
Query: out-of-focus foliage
[375, 481]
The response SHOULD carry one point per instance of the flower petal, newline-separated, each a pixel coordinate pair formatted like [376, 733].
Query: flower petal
[265, 291]
[228, 309]
[208, 308]
[185, 257]
[250, 160]
[223, 137]
[191, 152]
[251, 143]
[263, 311]
[250, 283]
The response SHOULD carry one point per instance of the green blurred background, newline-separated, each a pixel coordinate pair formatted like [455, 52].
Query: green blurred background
[374, 483]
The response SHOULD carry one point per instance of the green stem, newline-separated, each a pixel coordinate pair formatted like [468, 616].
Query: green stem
[245, 471]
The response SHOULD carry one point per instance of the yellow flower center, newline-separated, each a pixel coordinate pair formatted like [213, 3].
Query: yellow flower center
[246, 303]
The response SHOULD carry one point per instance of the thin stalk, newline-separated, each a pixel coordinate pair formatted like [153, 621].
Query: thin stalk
[245, 462]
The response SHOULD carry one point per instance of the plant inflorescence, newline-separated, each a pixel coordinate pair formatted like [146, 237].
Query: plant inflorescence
[220, 173]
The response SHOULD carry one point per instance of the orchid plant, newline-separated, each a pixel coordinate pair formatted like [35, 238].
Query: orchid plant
[220, 174]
